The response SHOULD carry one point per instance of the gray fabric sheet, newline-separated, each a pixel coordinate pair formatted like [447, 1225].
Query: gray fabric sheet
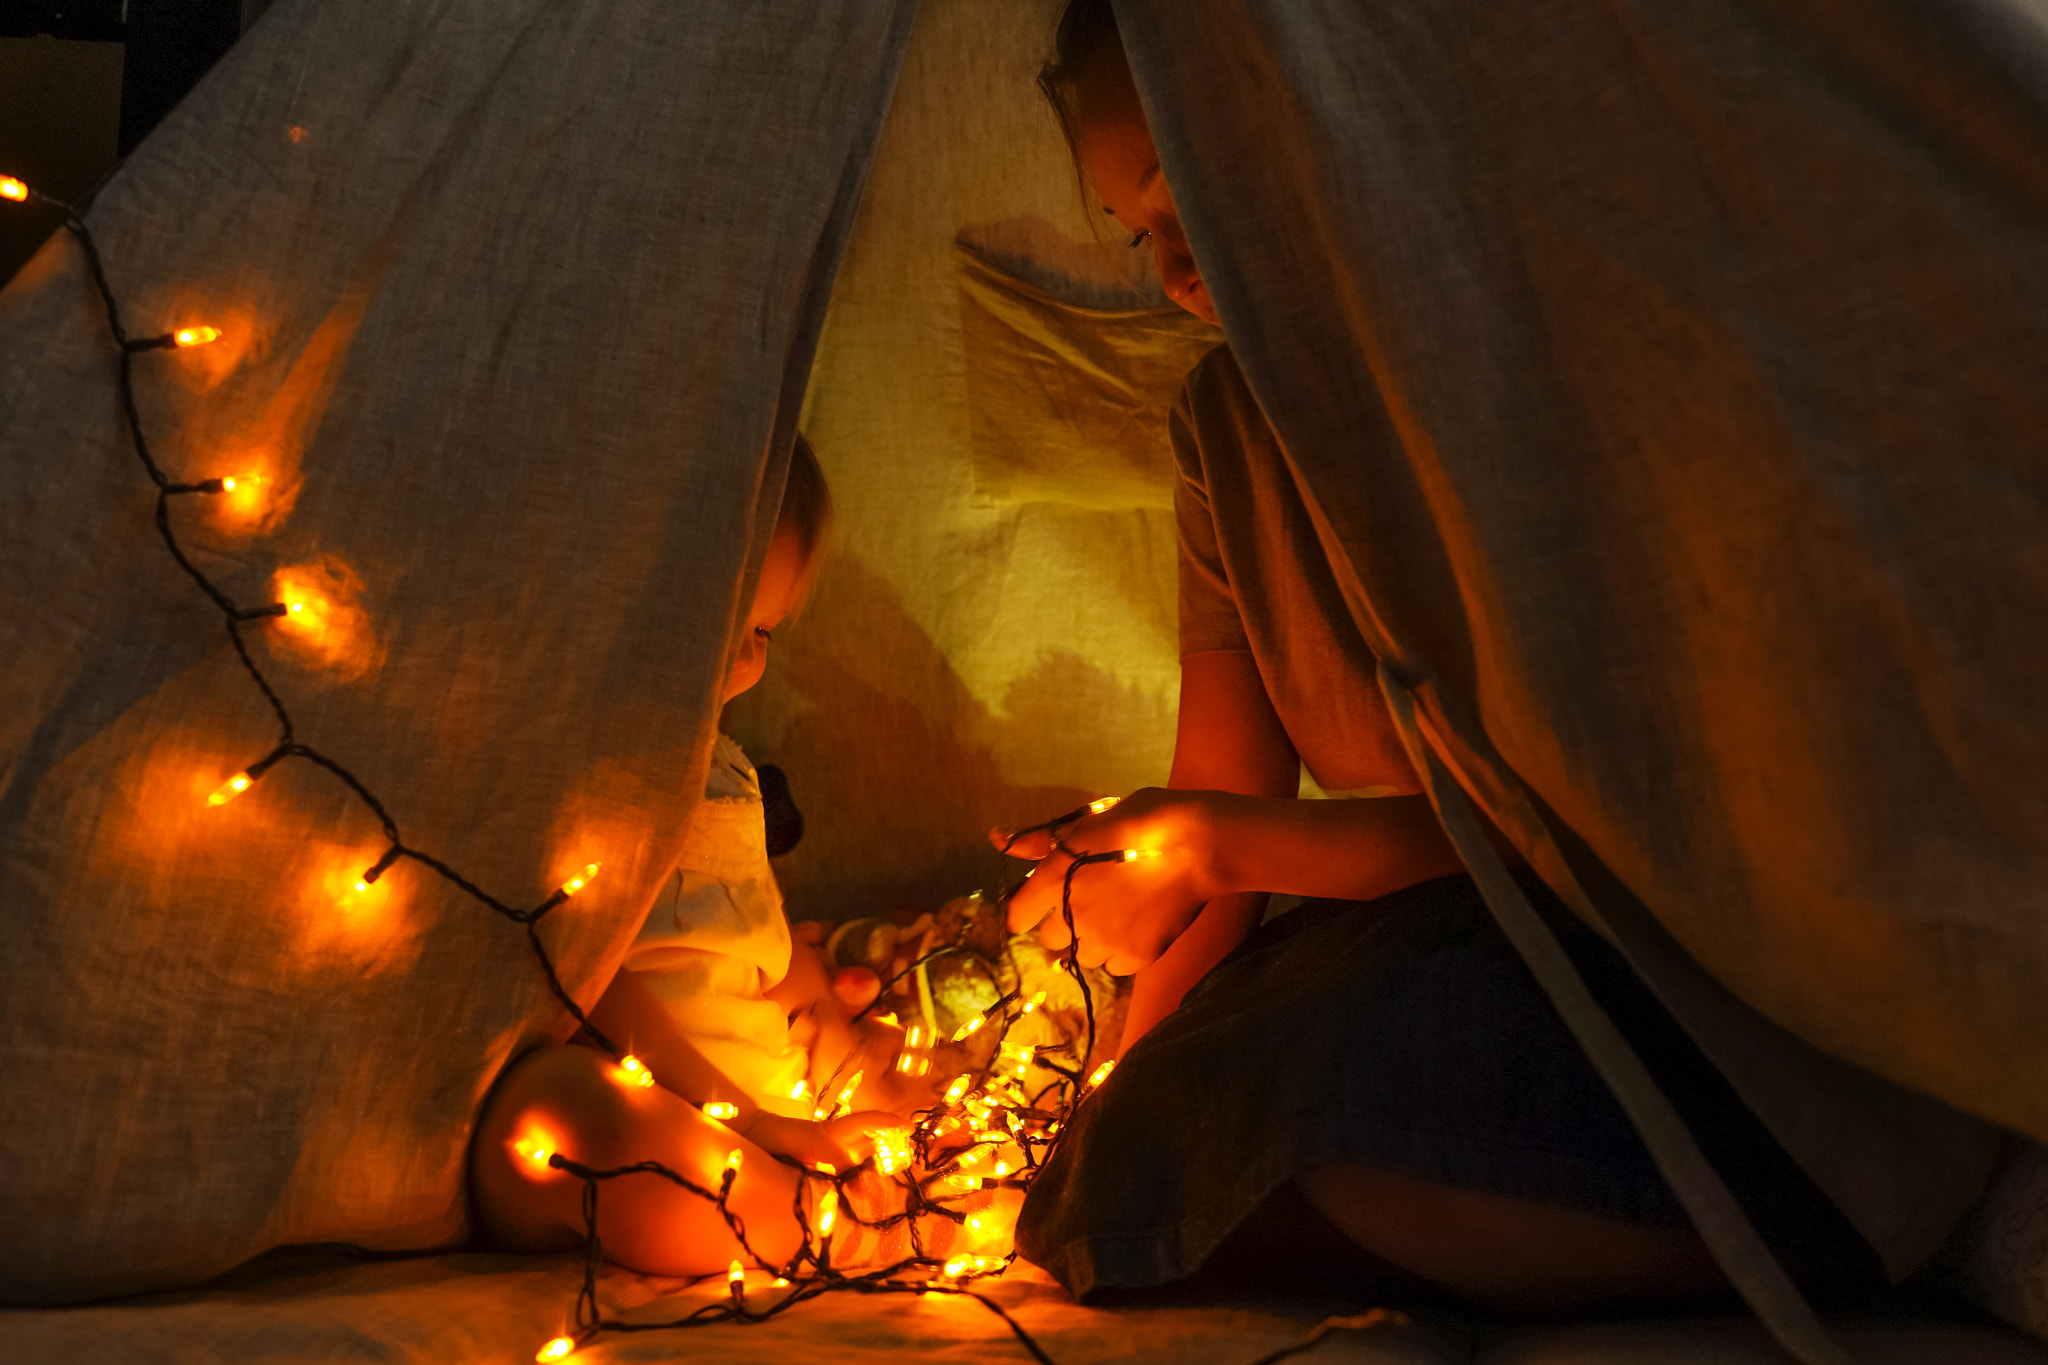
[1667, 379]
[518, 300]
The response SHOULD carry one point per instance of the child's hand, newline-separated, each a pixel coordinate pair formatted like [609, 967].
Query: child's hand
[842, 1143]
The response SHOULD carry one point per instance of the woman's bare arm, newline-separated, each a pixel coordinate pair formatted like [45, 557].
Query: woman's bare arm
[1228, 739]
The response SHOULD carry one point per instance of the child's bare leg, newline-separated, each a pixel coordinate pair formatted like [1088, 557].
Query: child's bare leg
[1509, 1253]
[575, 1101]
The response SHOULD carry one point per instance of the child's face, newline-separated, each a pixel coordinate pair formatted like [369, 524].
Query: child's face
[775, 597]
[1120, 161]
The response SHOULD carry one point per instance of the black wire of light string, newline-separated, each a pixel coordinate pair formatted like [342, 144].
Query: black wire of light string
[590, 1319]
[289, 746]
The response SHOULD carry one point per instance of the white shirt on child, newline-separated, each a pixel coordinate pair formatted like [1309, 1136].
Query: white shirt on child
[717, 939]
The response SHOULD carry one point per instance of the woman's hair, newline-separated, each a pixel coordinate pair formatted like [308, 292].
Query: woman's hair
[1086, 40]
[806, 511]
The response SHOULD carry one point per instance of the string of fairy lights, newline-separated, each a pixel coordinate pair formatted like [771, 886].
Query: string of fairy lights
[991, 1131]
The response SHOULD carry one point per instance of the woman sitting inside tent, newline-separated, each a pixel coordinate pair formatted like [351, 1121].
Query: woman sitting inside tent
[1384, 1054]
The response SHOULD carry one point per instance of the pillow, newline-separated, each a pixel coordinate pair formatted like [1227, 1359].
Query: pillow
[1068, 403]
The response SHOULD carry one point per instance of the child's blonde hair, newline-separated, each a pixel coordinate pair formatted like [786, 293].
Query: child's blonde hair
[806, 513]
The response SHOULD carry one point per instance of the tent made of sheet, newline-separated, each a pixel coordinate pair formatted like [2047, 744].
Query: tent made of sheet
[1664, 379]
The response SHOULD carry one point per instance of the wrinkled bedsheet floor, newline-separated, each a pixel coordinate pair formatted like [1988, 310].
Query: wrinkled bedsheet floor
[473, 1307]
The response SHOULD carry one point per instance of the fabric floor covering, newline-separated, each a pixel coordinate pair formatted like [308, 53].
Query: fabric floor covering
[476, 1307]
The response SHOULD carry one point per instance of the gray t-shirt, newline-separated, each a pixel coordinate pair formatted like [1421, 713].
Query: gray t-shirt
[1254, 580]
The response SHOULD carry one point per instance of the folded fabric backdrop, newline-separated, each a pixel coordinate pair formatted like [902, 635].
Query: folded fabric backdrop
[515, 317]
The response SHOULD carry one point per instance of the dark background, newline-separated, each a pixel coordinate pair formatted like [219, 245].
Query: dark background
[83, 81]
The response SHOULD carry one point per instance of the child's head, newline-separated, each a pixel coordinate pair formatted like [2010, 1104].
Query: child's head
[1089, 84]
[789, 568]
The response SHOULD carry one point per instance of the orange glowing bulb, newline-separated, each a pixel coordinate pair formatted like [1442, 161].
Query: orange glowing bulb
[732, 1159]
[580, 880]
[230, 789]
[539, 1156]
[827, 1168]
[1097, 807]
[10, 188]
[555, 1349]
[361, 886]
[719, 1109]
[636, 1070]
[957, 1267]
[799, 1090]
[779, 1282]
[735, 1273]
[825, 1218]
[1102, 1073]
[195, 336]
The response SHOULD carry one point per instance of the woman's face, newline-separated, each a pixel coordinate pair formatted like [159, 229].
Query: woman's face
[1117, 156]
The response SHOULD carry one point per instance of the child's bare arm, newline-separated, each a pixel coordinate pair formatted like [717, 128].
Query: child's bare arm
[631, 1016]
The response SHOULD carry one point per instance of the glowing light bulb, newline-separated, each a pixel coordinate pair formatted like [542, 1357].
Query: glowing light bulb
[230, 789]
[636, 1071]
[975, 1222]
[779, 1282]
[1002, 1169]
[362, 885]
[846, 1093]
[827, 1168]
[957, 1089]
[580, 880]
[1037, 999]
[1097, 807]
[826, 1216]
[538, 1155]
[1101, 1073]
[969, 1027]
[719, 1109]
[10, 188]
[555, 1349]
[195, 336]
[734, 1274]
[915, 1036]
[733, 1159]
[957, 1267]
[1131, 855]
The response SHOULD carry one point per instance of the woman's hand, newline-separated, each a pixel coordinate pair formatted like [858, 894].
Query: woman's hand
[1126, 913]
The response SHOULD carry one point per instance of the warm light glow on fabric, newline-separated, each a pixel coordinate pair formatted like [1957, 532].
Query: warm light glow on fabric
[324, 624]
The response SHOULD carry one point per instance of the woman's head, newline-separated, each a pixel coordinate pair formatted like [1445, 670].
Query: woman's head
[1089, 84]
[788, 569]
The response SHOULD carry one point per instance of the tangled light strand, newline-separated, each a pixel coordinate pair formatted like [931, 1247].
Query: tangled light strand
[988, 1109]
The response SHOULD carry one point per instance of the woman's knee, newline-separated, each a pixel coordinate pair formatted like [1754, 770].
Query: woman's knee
[1508, 1252]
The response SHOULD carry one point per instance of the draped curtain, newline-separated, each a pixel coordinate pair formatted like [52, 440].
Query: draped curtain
[517, 300]
[1667, 381]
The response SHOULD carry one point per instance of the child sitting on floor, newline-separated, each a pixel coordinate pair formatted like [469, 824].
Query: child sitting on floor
[748, 1031]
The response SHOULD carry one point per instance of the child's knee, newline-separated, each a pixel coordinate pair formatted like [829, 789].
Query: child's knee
[555, 1100]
